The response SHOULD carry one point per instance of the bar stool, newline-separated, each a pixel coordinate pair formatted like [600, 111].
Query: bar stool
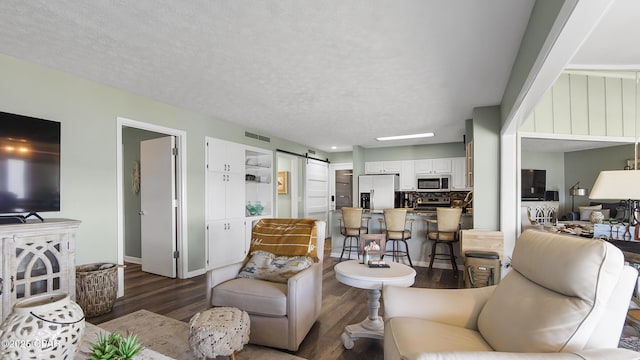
[447, 231]
[351, 228]
[395, 222]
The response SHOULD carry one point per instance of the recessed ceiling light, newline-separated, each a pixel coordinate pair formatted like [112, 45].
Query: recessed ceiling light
[403, 137]
[334, 147]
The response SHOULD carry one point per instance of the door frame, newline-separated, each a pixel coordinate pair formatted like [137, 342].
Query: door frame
[181, 194]
[332, 182]
[332, 190]
[293, 181]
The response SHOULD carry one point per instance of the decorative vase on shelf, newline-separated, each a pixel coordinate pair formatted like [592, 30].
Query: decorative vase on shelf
[596, 217]
[250, 208]
[45, 326]
[259, 208]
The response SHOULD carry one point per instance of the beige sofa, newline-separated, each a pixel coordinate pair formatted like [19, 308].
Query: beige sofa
[281, 315]
[565, 298]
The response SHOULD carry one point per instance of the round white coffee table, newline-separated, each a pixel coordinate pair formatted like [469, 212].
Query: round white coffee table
[361, 276]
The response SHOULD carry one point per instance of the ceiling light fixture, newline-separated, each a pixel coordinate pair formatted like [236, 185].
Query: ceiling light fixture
[403, 137]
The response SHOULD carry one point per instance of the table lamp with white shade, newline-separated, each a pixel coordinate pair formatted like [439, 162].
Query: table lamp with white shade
[619, 184]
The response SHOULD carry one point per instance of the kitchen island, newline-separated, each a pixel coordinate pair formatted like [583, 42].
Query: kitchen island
[419, 246]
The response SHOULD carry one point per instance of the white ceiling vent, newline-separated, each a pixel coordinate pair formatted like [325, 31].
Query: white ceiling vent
[257, 137]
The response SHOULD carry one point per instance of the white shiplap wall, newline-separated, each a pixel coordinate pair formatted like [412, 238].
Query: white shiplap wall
[593, 105]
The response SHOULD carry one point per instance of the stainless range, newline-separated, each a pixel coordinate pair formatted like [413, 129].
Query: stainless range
[429, 202]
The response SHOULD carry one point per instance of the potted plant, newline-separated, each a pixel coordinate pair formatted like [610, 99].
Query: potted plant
[115, 347]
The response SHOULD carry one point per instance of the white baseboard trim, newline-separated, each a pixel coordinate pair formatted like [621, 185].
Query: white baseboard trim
[190, 274]
[133, 260]
[194, 273]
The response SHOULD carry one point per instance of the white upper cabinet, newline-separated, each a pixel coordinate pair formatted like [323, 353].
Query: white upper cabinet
[459, 174]
[383, 167]
[408, 176]
[433, 166]
[225, 156]
[224, 180]
[392, 167]
[373, 167]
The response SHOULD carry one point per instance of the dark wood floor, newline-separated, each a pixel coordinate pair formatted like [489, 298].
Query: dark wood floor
[341, 305]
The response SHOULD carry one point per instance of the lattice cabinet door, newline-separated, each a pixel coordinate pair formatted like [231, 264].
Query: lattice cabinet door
[37, 264]
[543, 212]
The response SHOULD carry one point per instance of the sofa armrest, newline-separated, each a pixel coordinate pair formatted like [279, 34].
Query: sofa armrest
[220, 275]
[458, 307]
[304, 301]
[604, 354]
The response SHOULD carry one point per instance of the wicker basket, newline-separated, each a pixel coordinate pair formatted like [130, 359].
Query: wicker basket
[96, 289]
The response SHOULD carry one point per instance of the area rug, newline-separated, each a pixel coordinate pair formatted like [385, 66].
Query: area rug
[169, 337]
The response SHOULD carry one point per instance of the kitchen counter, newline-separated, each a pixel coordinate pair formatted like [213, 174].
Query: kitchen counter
[410, 211]
[419, 246]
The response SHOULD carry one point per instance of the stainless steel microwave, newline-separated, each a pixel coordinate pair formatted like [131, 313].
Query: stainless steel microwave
[433, 183]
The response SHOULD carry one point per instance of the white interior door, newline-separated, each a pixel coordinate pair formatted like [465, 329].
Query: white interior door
[316, 205]
[158, 212]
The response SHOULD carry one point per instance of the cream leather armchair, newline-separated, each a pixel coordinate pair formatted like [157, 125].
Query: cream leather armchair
[281, 315]
[565, 298]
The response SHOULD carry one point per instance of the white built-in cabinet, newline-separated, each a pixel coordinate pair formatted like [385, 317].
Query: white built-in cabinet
[37, 257]
[225, 180]
[236, 175]
[433, 166]
[459, 174]
[408, 176]
[383, 167]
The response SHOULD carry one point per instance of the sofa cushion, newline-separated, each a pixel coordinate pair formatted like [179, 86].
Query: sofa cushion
[267, 266]
[404, 335]
[615, 209]
[585, 211]
[533, 309]
[253, 296]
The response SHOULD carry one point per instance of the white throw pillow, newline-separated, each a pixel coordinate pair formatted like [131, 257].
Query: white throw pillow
[267, 266]
[585, 211]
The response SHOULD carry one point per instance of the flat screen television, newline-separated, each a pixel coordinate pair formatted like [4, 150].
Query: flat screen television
[29, 164]
[534, 184]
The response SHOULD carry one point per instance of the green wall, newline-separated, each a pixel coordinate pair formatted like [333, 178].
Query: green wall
[284, 200]
[341, 157]
[88, 112]
[553, 162]
[413, 152]
[486, 168]
[585, 166]
[566, 169]
[416, 152]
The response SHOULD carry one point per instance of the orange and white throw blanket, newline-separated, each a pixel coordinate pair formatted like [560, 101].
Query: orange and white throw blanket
[285, 237]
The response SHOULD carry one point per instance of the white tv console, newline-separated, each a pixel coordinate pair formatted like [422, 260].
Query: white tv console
[37, 257]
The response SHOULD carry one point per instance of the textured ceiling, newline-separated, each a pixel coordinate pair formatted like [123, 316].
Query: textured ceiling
[320, 73]
[613, 44]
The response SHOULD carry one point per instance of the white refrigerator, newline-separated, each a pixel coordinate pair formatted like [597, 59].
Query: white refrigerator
[381, 190]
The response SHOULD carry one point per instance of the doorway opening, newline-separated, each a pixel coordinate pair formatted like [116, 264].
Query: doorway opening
[126, 170]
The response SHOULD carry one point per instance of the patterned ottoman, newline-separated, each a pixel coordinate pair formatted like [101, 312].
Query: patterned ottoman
[218, 331]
